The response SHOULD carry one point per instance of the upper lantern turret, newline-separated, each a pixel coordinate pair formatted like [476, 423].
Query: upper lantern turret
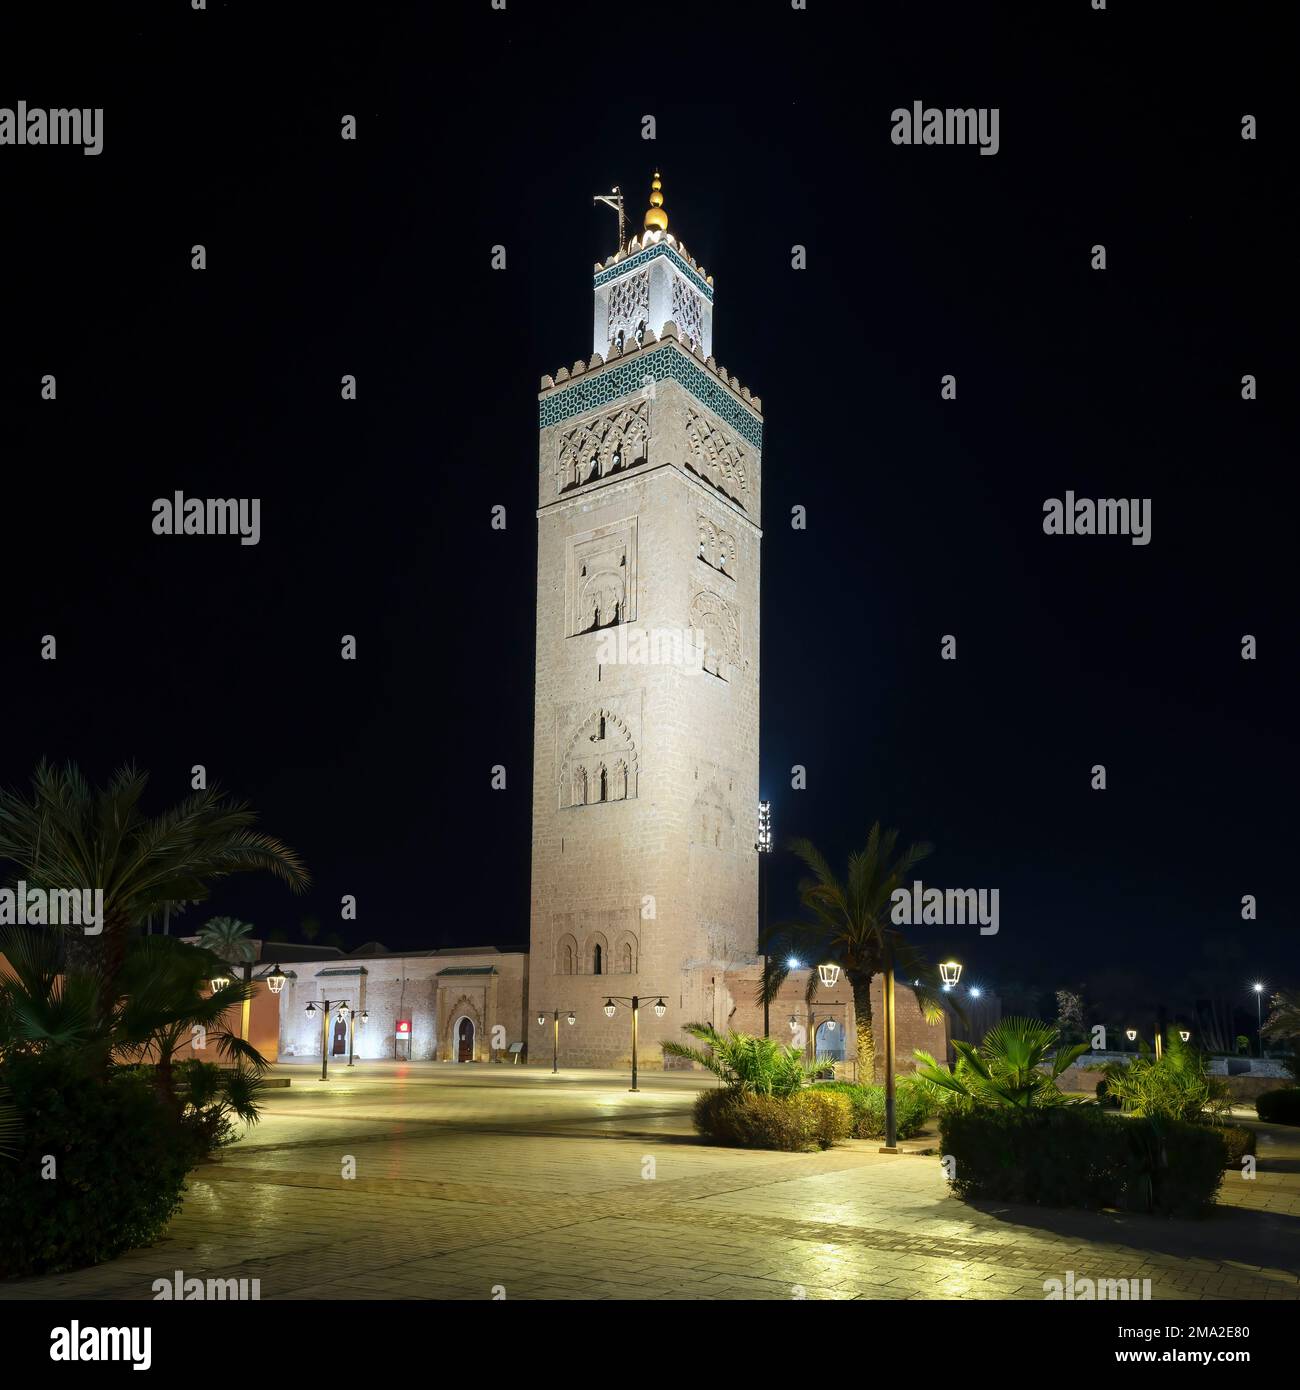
[651, 281]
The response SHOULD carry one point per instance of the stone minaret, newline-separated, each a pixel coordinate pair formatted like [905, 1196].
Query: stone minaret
[645, 779]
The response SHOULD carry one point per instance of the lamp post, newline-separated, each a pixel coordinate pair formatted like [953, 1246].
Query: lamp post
[764, 848]
[353, 1015]
[949, 974]
[634, 1003]
[555, 1051]
[1131, 1034]
[326, 1008]
[1258, 987]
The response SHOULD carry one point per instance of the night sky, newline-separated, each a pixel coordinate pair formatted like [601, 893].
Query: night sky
[372, 257]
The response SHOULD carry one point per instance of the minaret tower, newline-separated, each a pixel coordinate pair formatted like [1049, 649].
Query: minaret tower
[645, 782]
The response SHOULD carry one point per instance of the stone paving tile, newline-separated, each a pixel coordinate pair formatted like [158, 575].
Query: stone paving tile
[466, 1183]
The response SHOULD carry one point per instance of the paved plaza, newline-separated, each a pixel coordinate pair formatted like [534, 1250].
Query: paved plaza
[475, 1182]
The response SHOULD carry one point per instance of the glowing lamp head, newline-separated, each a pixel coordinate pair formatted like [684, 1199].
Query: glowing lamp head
[794, 1023]
[1257, 987]
[275, 980]
[311, 1009]
[1131, 1034]
[792, 963]
[541, 1020]
[828, 974]
[830, 1025]
[572, 1018]
[1185, 1034]
[660, 1008]
[219, 982]
[950, 973]
[609, 1008]
[365, 1015]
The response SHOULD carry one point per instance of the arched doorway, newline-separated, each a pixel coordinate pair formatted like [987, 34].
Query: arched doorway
[465, 1040]
[830, 1041]
[340, 1046]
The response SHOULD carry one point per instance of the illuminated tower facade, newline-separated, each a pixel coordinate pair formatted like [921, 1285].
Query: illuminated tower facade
[645, 780]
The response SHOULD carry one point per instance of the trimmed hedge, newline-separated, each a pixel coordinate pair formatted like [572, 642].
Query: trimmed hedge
[809, 1119]
[1280, 1107]
[1237, 1143]
[911, 1108]
[119, 1165]
[1080, 1156]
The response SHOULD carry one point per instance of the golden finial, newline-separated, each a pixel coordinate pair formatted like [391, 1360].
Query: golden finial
[656, 218]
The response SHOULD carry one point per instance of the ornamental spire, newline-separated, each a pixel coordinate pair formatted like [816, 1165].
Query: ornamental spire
[656, 218]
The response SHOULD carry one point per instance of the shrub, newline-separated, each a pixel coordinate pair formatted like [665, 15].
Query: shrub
[912, 1107]
[1079, 1156]
[1017, 1065]
[1175, 1086]
[806, 1120]
[1280, 1107]
[120, 1164]
[743, 1062]
[1237, 1143]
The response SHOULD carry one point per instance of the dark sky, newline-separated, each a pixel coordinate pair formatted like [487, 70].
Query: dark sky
[925, 516]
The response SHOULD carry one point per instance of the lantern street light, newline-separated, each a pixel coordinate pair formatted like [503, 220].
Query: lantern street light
[829, 974]
[1185, 1034]
[571, 1018]
[634, 1002]
[764, 850]
[327, 1006]
[275, 980]
[219, 982]
[1258, 987]
[950, 973]
[352, 1016]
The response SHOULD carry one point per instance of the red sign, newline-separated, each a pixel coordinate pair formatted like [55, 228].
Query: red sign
[403, 1027]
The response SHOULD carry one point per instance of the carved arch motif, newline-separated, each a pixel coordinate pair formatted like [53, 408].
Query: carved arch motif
[611, 443]
[600, 762]
[718, 633]
[717, 459]
[717, 547]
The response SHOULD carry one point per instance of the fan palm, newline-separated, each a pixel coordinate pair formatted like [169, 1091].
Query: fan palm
[744, 1063]
[228, 938]
[849, 920]
[1016, 1065]
[68, 835]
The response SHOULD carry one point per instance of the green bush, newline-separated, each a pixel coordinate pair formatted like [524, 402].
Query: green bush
[1280, 1107]
[1237, 1143]
[797, 1123]
[1175, 1086]
[1080, 1156]
[120, 1162]
[911, 1108]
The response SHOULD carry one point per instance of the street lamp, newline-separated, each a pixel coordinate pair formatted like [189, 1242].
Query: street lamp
[326, 1008]
[352, 1016]
[634, 1003]
[1258, 987]
[764, 848]
[1185, 1034]
[219, 982]
[829, 974]
[275, 980]
[950, 973]
[570, 1018]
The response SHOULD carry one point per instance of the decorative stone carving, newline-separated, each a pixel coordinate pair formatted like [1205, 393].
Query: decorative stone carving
[717, 459]
[600, 762]
[687, 311]
[611, 443]
[713, 823]
[717, 547]
[629, 307]
[601, 578]
[717, 626]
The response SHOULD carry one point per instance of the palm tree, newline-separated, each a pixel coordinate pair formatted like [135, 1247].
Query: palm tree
[162, 1011]
[1006, 1069]
[849, 921]
[71, 836]
[744, 1063]
[228, 938]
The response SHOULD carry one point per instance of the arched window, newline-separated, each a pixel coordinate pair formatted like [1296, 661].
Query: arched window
[597, 961]
[627, 958]
[567, 961]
